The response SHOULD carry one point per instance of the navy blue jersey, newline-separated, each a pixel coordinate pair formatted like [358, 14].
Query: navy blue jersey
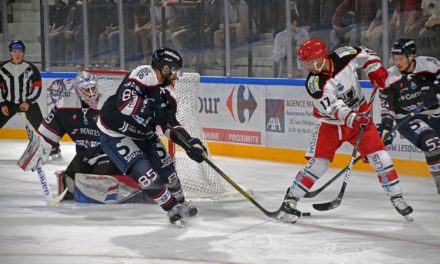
[128, 112]
[403, 93]
[73, 117]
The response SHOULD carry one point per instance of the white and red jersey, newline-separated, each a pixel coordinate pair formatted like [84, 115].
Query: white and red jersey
[337, 93]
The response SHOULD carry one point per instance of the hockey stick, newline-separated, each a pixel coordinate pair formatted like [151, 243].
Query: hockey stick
[337, 201]
[224, 176]
[323, 187]
[50, 201]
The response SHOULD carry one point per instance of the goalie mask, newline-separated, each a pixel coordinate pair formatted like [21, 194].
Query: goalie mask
[86, 87]
[168, 62]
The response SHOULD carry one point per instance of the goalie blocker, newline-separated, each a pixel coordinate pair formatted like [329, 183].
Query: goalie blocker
[103, 189]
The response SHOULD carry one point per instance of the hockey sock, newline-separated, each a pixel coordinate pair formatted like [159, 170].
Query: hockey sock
[304, 180]
[177, 193]
[162, 197]
[433, 161]
[387, 175]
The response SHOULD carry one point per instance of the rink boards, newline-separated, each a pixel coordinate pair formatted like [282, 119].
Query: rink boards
[257, 118]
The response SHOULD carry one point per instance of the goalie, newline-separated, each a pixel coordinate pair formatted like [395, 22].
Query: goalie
[75, 115]
[128, 121]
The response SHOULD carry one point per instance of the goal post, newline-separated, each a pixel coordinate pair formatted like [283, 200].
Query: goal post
[200, 182]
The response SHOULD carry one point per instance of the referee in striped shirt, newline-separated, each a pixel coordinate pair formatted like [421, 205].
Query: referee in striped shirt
[20, 87]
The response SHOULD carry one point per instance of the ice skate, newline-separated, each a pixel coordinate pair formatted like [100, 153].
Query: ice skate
[402, 207]
[175, 215]
[287, 212]
[189, 209]
[437, 183]
[55, 153]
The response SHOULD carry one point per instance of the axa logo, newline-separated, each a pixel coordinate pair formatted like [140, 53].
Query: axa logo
[241, 104]
[275, 115]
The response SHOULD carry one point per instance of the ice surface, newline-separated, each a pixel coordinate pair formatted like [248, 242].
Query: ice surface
[364, 229]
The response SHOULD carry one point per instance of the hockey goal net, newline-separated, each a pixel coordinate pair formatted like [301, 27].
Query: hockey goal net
[199, 180]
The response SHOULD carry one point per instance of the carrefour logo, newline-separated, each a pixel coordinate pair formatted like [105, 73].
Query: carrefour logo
[241, 104]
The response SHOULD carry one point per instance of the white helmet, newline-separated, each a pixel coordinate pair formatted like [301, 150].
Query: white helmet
[86, 87]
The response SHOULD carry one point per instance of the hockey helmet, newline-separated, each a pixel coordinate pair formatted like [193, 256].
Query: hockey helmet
[312, 49]
[16, 44]
[166, 56]
[404, 46]
[86, 87]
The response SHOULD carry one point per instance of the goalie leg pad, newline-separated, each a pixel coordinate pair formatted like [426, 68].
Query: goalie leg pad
[36, 153]
[387, 175]
[305, 179]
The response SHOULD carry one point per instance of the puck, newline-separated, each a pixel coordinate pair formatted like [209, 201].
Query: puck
[306, 214]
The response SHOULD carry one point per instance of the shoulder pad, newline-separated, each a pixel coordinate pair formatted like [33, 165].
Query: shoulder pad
[346, 51]
[143, 75]
[393, 75]
[313, 86]
[427, 64]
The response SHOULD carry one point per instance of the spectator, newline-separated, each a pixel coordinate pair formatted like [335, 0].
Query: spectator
[108, 37]
[238, 25]
[57, 20]
[186, 26]
[73, 33]
[429, 39]
[299, 35]
[142, 29]
[412, 19]
[345, 21]
[211, 22]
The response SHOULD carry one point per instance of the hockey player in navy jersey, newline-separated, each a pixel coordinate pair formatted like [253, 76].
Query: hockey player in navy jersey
[128, 121]
[413, 86]
[75, 114]
[340, 107]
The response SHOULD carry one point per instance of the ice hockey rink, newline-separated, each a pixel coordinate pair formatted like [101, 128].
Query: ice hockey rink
[364, 229]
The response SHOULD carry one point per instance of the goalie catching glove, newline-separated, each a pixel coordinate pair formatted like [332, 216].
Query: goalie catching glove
[36, 154]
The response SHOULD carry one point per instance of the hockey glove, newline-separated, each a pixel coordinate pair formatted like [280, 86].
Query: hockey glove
[355, 120]
[385, 135]
[197, 151]
[378, 76]
[429, 95]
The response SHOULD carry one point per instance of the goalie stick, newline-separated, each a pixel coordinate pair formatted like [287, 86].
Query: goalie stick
[323, 187]
[224, 176]
[50, 201]
[337, 201]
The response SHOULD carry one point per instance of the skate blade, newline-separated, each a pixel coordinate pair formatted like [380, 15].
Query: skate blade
[179, 223]
[287, 218]
[408, 218]
[55, 156]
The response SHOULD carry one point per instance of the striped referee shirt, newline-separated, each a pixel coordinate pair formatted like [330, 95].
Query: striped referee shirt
[19, 83]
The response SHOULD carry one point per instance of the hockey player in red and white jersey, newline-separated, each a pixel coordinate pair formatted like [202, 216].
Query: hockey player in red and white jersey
[128, 121]
[341, 109]
[413, 87]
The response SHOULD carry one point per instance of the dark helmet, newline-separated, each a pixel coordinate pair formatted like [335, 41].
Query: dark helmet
[166, 56]
[404, 46]
[16, 44]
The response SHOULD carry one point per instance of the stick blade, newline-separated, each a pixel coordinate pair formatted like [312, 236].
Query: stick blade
[56, 200]
[327, 206]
